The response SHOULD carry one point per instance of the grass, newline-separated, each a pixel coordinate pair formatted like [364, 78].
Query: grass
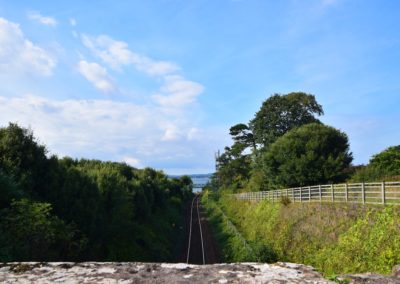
[334, 238]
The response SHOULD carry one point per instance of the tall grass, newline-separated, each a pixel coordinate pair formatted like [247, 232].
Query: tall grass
[334, 238]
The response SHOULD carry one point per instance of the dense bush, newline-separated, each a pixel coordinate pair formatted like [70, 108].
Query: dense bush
[382, 166]
[66, 209]
[311, 154]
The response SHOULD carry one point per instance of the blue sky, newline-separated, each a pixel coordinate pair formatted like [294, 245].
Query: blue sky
[159, 83]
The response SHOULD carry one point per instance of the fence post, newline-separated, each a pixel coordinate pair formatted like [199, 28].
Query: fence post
[301, 194]
[333, 193]
[346, 188]
[383, 193]
[320, 193]
[287, 193]
[293, 196]
[309, 194]
[363, 192]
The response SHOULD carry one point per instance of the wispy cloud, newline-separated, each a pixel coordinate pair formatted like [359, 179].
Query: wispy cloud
[178, 92]
[45, 20]
[97, 75]
[19, 54]
[117, 54]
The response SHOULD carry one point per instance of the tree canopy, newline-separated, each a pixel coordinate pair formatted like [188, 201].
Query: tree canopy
[66, 209]
[281, 113]
[311, 154]
[387, 161]
[382, 166]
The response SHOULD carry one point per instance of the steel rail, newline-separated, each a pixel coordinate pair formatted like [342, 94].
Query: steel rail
[201, 231]
[190, 230]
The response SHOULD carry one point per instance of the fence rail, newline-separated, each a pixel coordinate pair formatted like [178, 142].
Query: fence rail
[385, 193]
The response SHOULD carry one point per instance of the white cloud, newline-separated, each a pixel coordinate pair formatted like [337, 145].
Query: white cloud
[171, 132]
[19, 54]
[97, 75]
[132, 161]
[48, 21]
[175, 94]
[117, 54]
[94, 127]
[178, 92]
[72, 22]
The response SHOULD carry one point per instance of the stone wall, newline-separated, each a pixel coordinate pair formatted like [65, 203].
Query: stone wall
[112, 272]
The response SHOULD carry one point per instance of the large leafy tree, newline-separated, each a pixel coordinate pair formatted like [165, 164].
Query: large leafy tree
[281, 113]
[311, 154]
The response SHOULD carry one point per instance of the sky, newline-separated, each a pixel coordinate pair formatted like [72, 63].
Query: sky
[159, 83]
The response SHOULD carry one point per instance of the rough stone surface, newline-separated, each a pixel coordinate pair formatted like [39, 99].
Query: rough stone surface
[134, 272]
[373, 278]
[95, 272]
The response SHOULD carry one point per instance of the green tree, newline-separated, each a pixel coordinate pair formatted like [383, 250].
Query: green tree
[31, 233]
[382, 166]
[311, 154]
[242, 135]
[233, 166]
[8, 190]
[24, 159]
[387, 161]
[281, 113]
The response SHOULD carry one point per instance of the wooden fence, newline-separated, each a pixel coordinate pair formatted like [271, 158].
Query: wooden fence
[365, 193]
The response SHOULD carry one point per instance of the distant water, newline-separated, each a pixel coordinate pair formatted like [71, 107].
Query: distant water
[199, 180]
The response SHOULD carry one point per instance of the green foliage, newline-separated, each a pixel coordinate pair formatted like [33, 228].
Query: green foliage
[83, 209]
[277, 148]
[311, 154]
[242, 135]
[233, 167]
[281, 113]
[334, 238]
[8, 190]
[382, 166]
[22, 158]
[372, 244]
[387, 161]
[231, 244]
[31, 233]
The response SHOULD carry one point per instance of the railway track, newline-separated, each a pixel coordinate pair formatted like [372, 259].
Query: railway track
[195, 249]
